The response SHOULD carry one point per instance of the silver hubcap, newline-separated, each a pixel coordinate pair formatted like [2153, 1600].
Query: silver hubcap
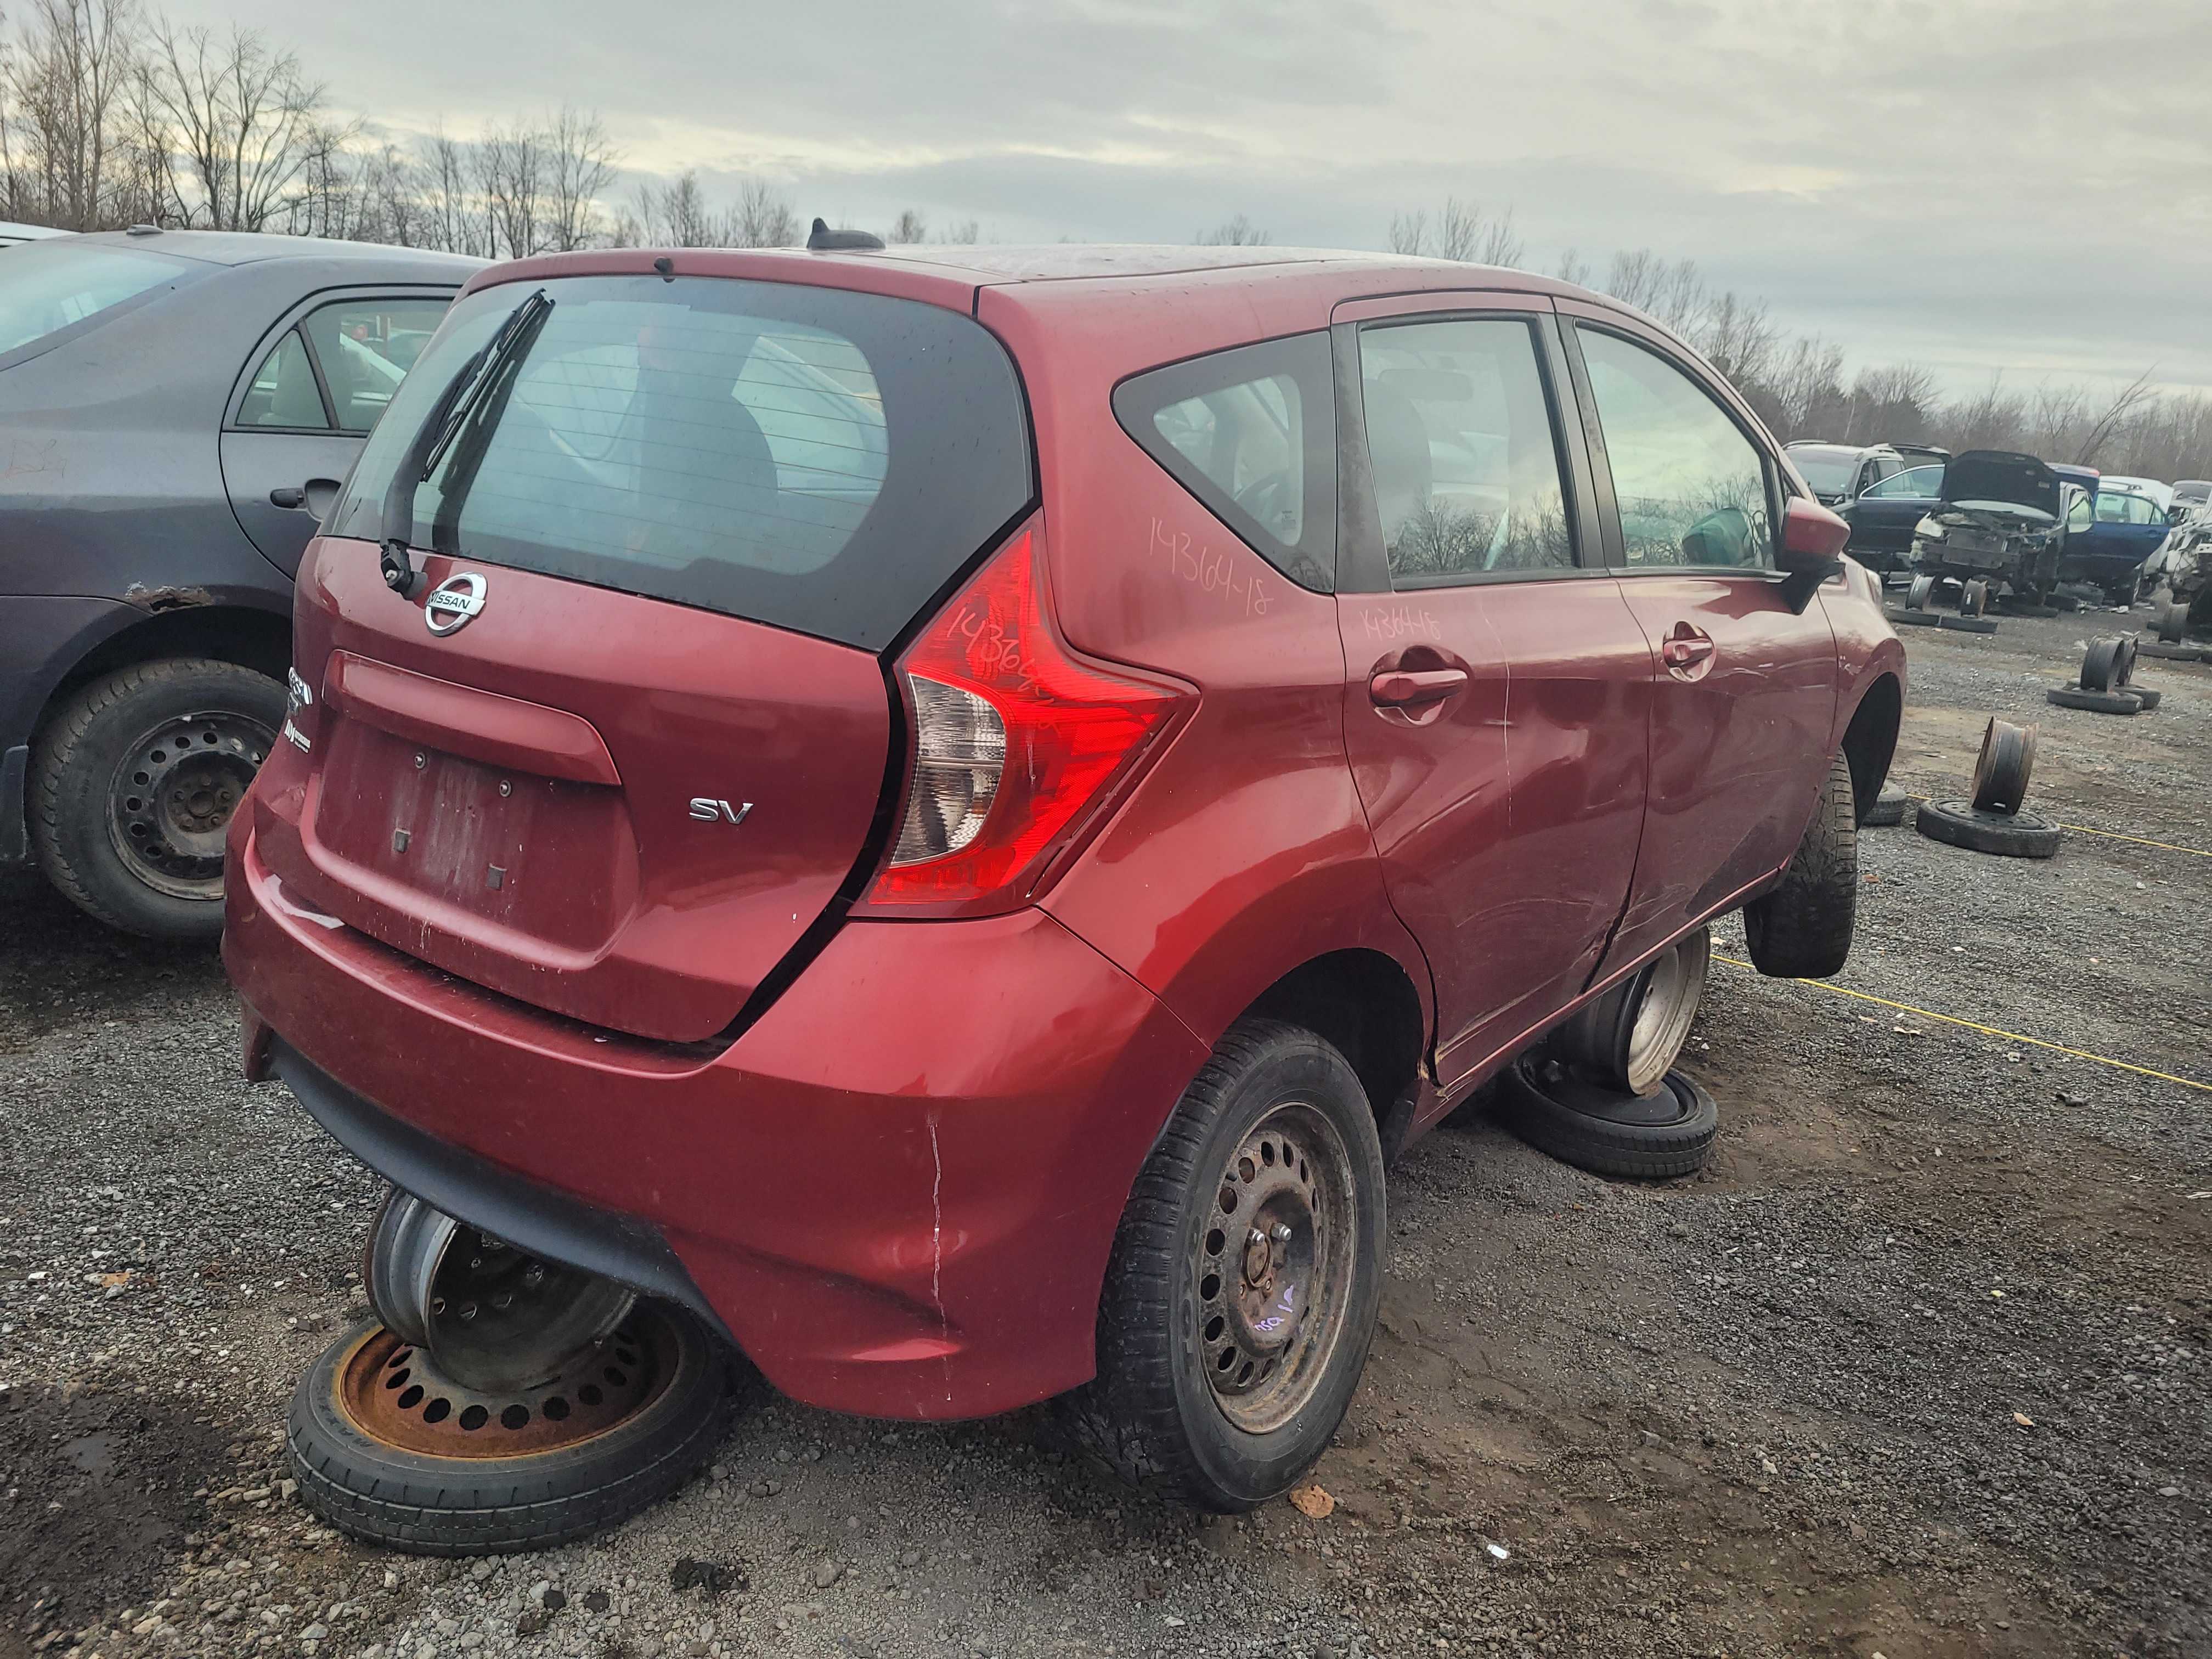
[1274, 1265]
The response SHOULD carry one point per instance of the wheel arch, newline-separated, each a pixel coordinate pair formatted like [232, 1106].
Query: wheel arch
[1364, 1003]
[249, 635]
[1871, 738]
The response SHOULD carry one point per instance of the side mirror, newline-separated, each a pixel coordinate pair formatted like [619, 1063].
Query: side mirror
[1813, 542]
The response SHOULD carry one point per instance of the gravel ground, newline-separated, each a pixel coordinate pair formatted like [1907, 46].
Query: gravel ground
[1921, 1364]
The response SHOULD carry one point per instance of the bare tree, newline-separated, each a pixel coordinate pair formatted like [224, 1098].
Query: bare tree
[908, 226]
[1460, 231]
[762, 218]
[1238, 232]
[968, 232]
[579, 164]
[511, 168]
[1573, 268]
[62, 140]
[2131, 399]
[237, 121]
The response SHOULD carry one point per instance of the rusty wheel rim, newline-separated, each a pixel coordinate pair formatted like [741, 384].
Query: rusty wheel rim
[1273, 1268]
[389, 1390]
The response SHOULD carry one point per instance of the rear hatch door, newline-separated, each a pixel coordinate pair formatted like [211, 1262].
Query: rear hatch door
[624, 745]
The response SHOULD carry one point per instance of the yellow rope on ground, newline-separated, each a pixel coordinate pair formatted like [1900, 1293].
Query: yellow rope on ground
[1989, 1031]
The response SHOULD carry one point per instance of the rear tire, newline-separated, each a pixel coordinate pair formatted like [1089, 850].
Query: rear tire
[96, 787]
[2096, 702]
[1160, 1412]
[1888, 809]
[1802, 929]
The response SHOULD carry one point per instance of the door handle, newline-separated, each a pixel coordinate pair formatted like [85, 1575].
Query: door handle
[1407, 688]
[1686, 648]
[316, 495]
[287, 495]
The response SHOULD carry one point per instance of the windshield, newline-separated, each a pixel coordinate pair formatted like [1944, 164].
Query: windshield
[820, 459]
[46, 286]
[1828, 471]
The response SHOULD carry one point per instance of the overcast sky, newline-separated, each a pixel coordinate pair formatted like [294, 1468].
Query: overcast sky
[1975, 186]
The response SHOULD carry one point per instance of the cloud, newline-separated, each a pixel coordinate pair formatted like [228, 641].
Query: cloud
[2014, 185]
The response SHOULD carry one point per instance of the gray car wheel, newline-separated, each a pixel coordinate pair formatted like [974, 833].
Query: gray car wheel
[134, 784]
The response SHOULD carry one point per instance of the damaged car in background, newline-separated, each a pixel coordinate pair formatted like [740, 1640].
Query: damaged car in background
[2180, 575]
[1995, 531]
[176, 410]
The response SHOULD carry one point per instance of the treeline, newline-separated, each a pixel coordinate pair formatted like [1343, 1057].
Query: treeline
[110, 116]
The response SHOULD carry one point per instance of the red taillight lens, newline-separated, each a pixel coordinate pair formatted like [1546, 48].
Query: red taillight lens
[1014, 743]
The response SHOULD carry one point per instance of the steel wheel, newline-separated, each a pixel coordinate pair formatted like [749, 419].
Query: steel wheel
[1921, 594]
[1666, 1003]
[171, 797]
[2003, 767]
[394, 1393]
[1973, 599]
[491, 1317]
[1274, 1269]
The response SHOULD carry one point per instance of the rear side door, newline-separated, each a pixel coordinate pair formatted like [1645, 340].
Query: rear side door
[1497, 681]
[305, 402]
[1744, 690]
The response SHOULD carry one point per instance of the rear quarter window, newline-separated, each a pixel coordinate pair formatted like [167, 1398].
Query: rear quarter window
[1251, 432]
[818, 459]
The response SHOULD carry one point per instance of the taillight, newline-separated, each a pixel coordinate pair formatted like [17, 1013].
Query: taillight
[1016, 745]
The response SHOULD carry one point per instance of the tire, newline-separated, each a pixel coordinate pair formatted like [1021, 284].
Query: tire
[1153, 1414]
[2010, 834]
[1921, 594]
[1627, 1039]
[2025, 606]
[1915, 618]
[431, 1504]
[2160, 649]
[1888, 809]
[2096, 702]
[2148, 698]
[1968, 624]
[2104, 666]
[2003, 767]
[1802, 929]
[1667, 1132]
[83, 809]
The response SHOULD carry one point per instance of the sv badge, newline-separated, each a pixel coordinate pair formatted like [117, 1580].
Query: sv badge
[718, 811]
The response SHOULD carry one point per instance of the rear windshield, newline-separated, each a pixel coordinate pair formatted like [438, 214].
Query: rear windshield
[1827, 471]
[48, 285]
[822, 460]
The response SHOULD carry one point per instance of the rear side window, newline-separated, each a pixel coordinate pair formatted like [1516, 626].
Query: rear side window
[52, 285]
[283, 393]
[1252, 433]
[1467, 471]
[365, 348]
[822, 460]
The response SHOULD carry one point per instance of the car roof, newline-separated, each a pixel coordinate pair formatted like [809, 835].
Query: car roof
[1808, 444]
[244, 247]
[17, 232]
[952, 274]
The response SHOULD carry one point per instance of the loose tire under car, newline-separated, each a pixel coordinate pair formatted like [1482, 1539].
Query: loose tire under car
[1668, 1132]
[1245, 1283]
[387, 1451]
[2012, 835]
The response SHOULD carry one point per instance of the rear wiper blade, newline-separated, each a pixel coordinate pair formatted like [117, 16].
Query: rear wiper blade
[446, 417]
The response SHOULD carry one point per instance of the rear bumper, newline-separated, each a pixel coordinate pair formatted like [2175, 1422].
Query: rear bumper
[897, 1192]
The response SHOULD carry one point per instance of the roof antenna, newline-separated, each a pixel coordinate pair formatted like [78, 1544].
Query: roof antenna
[823, 239]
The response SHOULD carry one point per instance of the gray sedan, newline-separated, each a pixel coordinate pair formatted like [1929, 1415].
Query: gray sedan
[176, 409]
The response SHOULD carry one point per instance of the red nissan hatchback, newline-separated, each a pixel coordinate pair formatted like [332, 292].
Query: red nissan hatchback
[948, 813]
